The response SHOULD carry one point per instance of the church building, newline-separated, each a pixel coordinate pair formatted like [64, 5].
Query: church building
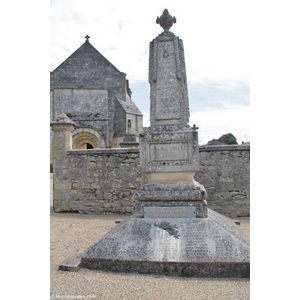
[95, 95]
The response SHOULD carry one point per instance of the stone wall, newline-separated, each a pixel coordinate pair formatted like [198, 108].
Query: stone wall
[104, 180]
[225, 173]
[80, 101]
[100, 181]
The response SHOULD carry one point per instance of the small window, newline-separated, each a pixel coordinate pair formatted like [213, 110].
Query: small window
[89, 146]
[129, 126]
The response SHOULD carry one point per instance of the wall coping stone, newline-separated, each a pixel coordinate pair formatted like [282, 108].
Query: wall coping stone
[224, 148]
[136, 150]
[102, 151]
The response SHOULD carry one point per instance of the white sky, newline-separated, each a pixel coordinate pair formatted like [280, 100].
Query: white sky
[216, 42]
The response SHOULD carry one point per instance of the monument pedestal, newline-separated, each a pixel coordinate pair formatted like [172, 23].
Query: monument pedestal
[181, 244]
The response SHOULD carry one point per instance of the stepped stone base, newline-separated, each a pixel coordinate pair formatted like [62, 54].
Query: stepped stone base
[176, 269]
[191, 246]
[171, 192]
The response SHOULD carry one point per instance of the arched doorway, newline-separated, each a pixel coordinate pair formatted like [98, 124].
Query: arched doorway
[87, 138]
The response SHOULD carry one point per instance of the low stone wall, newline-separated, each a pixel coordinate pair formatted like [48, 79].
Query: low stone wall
[101, 181]
[104, 180]
[225, 173]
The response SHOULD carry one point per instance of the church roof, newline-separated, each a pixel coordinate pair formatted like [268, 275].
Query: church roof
[130, 107]
[62, 119]
[85, 68]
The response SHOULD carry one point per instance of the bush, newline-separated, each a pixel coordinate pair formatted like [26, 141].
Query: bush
[228, 139]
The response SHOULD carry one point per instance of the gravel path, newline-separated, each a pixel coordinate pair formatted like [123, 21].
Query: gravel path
[72, 233]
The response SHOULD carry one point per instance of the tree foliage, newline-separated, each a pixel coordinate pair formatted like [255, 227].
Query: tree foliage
[228, 139]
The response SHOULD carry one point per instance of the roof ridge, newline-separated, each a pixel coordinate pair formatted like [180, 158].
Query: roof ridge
[105, 58]
[85, 44]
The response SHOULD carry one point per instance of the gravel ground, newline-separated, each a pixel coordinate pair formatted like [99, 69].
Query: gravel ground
[72, 233]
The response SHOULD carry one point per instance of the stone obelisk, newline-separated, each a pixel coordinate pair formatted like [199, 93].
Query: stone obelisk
[169, 150]
[172, 231]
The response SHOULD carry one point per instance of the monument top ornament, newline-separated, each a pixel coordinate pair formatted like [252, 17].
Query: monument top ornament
[166, 21]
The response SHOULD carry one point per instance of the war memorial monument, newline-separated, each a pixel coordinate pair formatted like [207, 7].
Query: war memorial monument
[172, 230]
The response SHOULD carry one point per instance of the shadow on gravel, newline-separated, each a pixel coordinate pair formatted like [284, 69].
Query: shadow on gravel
[76, 215]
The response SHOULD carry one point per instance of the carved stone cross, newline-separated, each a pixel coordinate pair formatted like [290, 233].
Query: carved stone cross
[87, 38]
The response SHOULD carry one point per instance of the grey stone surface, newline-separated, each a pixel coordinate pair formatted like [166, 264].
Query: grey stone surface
[88, 68]
[169, 144]
[72, 264]
[129, 141]
[181, 269]
[166, 21]
[97, 181]
[171, 192]
[209, 247]
[167, 77]
[169, 148]
[199, 206]
[214, 148]
[224, 173]
[170, 212]
[62, 119]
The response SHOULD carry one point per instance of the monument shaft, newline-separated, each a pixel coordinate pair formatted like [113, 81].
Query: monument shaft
[169, 148]
[167, 77]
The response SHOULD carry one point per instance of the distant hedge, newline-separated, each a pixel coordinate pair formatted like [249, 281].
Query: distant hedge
[228, 139]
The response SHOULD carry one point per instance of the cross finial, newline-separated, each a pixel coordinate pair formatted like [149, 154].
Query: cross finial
[87, 38]
[194, 127]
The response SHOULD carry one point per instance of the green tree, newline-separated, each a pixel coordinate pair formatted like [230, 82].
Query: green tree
[228, 139]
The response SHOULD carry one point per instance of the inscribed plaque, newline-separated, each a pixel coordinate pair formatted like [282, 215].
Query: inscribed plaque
[170, 212]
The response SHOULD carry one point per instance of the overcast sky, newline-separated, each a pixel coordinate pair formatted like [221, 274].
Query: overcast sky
[216, 42]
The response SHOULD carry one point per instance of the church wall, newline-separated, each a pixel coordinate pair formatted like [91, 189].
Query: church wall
[86, 107]
[120, 120]
[51, 105]
[140, 123]
[87, 68]
[105, 180]
[117, 141]
[80, 101]
[51, 133]
[136, 123]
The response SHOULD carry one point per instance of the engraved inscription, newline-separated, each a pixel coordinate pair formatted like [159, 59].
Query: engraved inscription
[169, 152]
[170, 212]
[197, 242]
[139, 237]
[167, 247]
[170, 250]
